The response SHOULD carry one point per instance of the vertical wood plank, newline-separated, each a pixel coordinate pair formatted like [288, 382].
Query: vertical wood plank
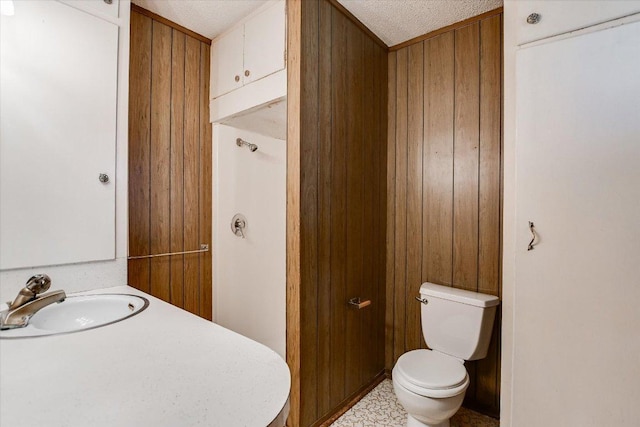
[191, 175]
[438, 159]
[293, 255]
[414, 193]
[177, 168]
[338, 207]
[378, 266]
[391, 194]
[160, 159]
[138, 273]
[401, 201]
[353, 97]
[466, 158]
[488, 369]
[309, 221]
[324, 210]
[205, 188]
[490, 156]
[369, 176]
[382, 85]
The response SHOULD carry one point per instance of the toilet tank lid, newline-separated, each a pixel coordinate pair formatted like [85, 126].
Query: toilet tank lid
[459, 295]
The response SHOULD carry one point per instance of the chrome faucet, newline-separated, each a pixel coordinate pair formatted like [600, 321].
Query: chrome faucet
[28, 303]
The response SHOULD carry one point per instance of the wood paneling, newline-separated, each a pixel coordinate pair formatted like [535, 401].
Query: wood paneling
[140, 151]
[293, 254]
[160, 157]
[338, 204]
[177, 168]
[490, 201]
[415, 138]
[170, 164]
[446, 29]
[155, 17]
[324, 207]
[438, 161]
[309, 220]
[191, 174]
[389, 316]
[443, 182]
[400, 227]
[205, 184]
[337, 104]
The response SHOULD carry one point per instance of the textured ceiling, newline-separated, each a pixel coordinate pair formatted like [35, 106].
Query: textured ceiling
[209, 18]
[396, 21]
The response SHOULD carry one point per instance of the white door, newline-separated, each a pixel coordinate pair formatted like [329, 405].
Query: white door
[577, 294]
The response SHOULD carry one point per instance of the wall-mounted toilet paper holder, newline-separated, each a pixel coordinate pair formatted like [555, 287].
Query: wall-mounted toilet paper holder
[358, 303]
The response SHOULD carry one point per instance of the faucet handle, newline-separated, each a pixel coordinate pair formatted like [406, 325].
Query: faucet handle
[38, 284]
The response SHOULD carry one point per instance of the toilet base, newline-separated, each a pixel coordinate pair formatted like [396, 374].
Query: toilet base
[412, 422]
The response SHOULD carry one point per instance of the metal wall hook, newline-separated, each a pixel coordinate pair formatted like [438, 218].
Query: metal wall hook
[532, 229]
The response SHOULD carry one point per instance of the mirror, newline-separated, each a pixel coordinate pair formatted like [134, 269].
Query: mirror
[58, 87]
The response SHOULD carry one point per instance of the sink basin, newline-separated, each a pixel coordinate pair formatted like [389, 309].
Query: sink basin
[80, 313]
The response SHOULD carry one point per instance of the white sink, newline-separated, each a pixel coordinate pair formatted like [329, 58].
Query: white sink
[80, 313]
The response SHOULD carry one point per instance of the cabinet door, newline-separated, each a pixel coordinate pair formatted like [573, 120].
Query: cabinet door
[226, 62]
[576, 311]
[558, 17]
[264, 43]
[58, 87]
[100, 7]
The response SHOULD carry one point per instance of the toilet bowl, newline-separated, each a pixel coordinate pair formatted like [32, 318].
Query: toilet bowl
[430, 386]
[457, 325]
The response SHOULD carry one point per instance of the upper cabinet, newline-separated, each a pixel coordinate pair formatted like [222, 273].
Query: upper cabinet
[250, 51]
[539, 19]
[106, 8]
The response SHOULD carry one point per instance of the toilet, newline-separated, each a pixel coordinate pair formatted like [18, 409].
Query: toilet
[457, 326]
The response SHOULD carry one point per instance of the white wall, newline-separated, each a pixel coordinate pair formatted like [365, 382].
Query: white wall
[249, 274]
[93, 275]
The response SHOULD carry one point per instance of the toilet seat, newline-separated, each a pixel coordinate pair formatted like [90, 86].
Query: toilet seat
[431, 374]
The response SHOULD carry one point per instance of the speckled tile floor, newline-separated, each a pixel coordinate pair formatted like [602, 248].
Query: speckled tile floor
[380, 408]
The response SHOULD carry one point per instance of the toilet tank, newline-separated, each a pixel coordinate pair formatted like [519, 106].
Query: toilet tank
[457, 322]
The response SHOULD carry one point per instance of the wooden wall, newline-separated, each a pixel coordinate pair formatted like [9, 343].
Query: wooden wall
[444, 183]
[169, 162]
[336, 208]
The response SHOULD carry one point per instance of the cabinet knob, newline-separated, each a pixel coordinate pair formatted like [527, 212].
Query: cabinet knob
[534, 18]
[237, 78]
[103, 178]
[246, 73]
[108, 1]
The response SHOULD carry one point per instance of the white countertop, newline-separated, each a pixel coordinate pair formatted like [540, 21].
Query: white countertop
[162, 367]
